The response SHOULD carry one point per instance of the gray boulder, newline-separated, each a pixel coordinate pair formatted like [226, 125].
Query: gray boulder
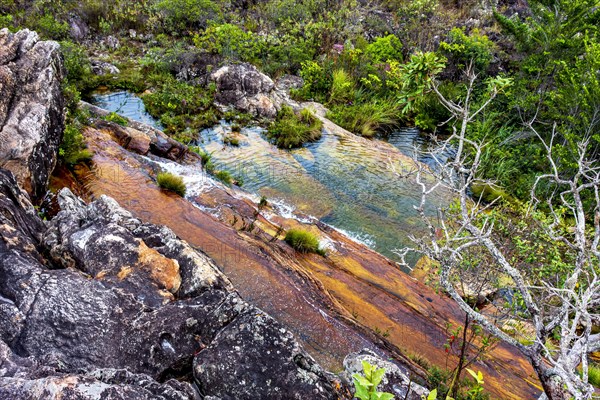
[246, 89]
[31, 108]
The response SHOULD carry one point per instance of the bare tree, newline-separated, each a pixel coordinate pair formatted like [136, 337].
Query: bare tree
[569, 306]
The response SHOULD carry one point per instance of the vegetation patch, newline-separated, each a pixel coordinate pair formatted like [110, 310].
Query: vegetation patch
[292, 130]
[116, 118]
[172, 182]
[303, 241]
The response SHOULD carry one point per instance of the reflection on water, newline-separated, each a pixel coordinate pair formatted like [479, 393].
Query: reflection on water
[127, 104]
[344, 181]
[411, 142]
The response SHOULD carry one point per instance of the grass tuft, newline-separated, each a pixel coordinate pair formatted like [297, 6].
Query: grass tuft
[172, 182]
[303, 241]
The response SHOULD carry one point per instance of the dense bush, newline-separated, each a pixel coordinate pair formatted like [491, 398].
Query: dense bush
[293, 130]
[303, 241]
[182, 108]
[172, 182]
[181, 15]
[462, 49]
[384, 49]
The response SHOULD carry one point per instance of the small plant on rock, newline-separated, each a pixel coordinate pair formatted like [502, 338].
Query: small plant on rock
[366, 384]
[303, 241]
[172, 182]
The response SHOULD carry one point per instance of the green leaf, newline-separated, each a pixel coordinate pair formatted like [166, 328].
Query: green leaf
[377, 376]
[384, 396]
[432, 395]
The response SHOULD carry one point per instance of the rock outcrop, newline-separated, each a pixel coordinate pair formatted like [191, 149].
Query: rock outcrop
[246, 89]
[98, 301]
[31, 108]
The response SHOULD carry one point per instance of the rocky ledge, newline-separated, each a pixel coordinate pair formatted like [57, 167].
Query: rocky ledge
[96, 302]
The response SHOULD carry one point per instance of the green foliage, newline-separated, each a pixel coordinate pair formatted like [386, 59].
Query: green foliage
[366, 384]
[317, 80]
[342, 88]
[462, 49]
[431, 396]
[303, 241]
[291, 130]
[383, 49]
[414, 78]
[181, 15]
[231, 140]
[477, 389]
[224, 176]
[172, 182]
[182, 108]
[366, 119]
[6, 21]
[116, 118]
[205, 157]
[72, 149]
[594, 375]
[232, 42]
[50, 28]
[77, 64]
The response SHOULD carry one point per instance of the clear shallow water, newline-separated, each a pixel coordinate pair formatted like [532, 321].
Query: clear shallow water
[411, 142]
[346, 182]
[127, 104]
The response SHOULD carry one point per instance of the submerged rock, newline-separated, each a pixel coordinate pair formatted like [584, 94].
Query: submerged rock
[31, 108]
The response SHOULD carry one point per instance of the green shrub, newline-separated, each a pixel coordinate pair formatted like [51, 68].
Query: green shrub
[48, 27]
[317, 81]
[180, 105]
[303, 241]
[384, 49]
[180, 15]
[232, 42]
[172, 182]
[76, 63]
[292, 130]
[72, 149]
[594, 375]
[366, 383]
[461, 49]
[231, 140]
[116, 118]
[205, 157]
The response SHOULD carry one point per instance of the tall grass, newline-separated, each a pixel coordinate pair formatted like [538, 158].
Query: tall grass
[172, 182]
[342, 88]
[366, 119]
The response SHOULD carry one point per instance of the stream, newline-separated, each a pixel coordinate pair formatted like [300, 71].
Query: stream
[346, 182]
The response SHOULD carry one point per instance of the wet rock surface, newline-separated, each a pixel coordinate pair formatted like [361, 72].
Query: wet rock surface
[31, 108]
[97, 303]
